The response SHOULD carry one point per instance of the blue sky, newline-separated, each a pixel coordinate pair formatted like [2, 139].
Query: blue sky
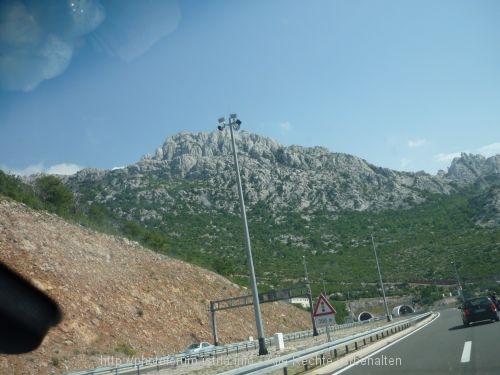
[405, 85]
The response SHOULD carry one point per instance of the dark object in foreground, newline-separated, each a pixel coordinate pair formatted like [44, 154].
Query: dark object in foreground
[478, 309]
[26, 314]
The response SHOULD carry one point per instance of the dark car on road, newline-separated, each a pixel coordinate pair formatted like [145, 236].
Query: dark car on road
[478, 309]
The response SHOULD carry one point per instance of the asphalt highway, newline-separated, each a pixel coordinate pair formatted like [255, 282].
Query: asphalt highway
[441, 347]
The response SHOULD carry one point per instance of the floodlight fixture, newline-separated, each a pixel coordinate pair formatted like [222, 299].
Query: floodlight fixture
[232, 116]
[221, 128]
[222, 120]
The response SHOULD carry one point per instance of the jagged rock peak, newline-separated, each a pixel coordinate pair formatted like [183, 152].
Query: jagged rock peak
[468, 168]
[212, 144]
[189, 147]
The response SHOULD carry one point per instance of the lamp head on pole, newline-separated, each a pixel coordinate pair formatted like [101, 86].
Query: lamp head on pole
[234, 122]
[222, 123]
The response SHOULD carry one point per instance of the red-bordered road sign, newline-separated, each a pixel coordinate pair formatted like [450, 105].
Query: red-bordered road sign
[323, 307]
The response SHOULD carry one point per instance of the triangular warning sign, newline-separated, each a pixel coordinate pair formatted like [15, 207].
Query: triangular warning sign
[323, 307]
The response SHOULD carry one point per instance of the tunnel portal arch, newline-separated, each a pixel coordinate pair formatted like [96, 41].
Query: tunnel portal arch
[365, 315]
[402, 310]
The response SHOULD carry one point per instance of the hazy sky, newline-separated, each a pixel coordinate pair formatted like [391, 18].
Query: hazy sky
[405, 85]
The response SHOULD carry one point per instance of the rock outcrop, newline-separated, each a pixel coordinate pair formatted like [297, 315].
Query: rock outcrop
[286, 178]
[471, 169]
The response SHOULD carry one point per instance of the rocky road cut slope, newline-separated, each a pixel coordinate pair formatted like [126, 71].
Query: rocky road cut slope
[118, 297]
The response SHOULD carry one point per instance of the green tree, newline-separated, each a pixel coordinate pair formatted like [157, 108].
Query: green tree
[55, 195]
[13, 187]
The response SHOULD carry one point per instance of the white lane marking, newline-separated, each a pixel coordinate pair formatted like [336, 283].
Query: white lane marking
[466, 352]
[387, 346]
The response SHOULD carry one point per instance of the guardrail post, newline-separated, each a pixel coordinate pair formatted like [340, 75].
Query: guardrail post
[285, 371]
[335, 353]
[355, 345]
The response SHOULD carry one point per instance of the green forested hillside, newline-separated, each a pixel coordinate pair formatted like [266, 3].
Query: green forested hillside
[415, 244]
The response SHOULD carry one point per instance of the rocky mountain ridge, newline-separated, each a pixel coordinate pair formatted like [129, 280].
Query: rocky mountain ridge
[286, 178]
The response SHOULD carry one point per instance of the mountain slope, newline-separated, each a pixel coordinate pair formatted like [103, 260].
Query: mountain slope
[300, 202]
[196, 172]
[118, 297]
[290, 178]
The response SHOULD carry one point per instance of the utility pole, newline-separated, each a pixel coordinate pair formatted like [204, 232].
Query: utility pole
[308, 285]
[459, 284]
[381, 282]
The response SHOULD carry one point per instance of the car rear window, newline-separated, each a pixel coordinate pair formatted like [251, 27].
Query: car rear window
[478, 302]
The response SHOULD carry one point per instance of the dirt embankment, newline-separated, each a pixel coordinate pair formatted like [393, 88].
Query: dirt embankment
[118, 297]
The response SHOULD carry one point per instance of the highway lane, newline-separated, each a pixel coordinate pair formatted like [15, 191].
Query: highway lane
[442, 347]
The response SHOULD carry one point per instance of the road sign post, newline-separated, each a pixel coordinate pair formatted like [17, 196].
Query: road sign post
[324, 314]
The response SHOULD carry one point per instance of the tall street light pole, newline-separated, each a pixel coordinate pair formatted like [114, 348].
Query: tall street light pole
[381, 282]
[234, 123]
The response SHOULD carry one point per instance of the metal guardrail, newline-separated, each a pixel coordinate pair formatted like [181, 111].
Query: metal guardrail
[337, 327]
[137, 365]
[302, 357]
